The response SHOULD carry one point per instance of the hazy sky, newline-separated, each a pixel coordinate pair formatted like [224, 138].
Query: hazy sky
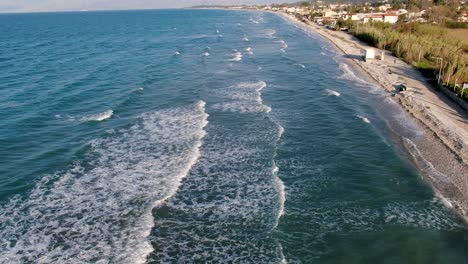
[70, 5]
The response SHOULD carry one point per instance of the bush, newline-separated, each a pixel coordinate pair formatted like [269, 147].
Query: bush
[418, 44]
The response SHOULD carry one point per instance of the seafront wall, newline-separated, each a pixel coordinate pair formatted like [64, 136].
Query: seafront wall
[454, 97]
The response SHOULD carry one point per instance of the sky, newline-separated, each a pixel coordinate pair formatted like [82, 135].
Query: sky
[11, 6]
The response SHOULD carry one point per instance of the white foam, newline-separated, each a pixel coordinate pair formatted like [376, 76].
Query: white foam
[206, 54]
[300, 65]
[245, 39]
[332, 92]
[247, 98]
[365, 119]
[249, 50]
[236, 56]
[348, 74]
[98, 117]
[139, 89]
[279, 186]
[242, 107]
[176, 53]
[283, 44]
[100, 209]
[425, 214]
[229, 195]
[280, 131]
[427, 167]
[283, 257]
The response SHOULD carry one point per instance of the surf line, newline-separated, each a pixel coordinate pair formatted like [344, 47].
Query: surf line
[193, 160]
[278, 183]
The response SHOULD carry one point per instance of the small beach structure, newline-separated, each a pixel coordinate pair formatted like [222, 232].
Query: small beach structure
[382, 55]
[369, 55]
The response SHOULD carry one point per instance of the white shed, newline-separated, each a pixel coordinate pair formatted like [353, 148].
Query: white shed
[370, 54]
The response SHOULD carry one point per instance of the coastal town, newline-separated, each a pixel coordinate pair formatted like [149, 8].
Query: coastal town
[383, 11]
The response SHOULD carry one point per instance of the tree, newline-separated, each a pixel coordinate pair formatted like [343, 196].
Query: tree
[396, 4]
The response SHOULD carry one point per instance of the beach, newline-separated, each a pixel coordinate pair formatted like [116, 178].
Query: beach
[212, 136]
[442, 153]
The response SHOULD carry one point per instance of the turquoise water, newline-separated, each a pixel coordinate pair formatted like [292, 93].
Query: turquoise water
[201, 136]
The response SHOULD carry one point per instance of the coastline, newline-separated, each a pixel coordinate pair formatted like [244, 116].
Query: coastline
[441, 154]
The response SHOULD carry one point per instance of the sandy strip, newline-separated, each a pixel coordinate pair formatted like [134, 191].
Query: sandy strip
[442, 153]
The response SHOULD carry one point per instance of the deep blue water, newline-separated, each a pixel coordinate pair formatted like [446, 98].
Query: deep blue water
[201, 136]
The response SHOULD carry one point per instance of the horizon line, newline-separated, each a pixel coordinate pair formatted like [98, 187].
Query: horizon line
[96, 10]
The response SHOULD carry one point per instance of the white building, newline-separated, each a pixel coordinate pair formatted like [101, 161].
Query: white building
[390, 18]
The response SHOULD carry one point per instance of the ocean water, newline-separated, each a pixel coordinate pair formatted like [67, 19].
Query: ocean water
[203, 136]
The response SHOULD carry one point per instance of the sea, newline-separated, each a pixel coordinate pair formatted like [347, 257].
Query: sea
[204, 136]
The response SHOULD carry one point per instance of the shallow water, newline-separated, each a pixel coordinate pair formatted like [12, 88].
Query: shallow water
[203, 136]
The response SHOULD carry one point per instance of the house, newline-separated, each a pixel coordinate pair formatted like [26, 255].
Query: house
[330, 13]
[391, 16]
[372, 17]
[356, 17]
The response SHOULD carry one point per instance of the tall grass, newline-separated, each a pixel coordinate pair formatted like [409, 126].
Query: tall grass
[420, 45]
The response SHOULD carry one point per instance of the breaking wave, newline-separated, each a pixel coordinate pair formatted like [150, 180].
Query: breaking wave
[332, 92]
[363, 118]
[236, 56]
[99, 210]
[246, 98]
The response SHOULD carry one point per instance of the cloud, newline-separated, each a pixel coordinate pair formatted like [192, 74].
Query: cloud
[75, 5]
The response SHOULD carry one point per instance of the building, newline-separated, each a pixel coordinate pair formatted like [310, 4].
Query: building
[391, 16]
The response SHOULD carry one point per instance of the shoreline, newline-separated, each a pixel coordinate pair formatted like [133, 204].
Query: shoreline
[441, 154]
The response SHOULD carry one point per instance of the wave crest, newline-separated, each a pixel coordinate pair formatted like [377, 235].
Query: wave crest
[99, 210]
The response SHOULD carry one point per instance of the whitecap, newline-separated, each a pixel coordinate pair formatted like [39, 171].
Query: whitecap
[280, 188]
[363, 118]
[139, 89]
[247, 98]
[100, 209]
[236, 56]
[206, 54]
[283, 44]
[332, 92]
[300, 65]
[98, 117]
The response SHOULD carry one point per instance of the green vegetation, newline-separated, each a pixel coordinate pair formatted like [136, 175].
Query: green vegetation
[426, 46]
